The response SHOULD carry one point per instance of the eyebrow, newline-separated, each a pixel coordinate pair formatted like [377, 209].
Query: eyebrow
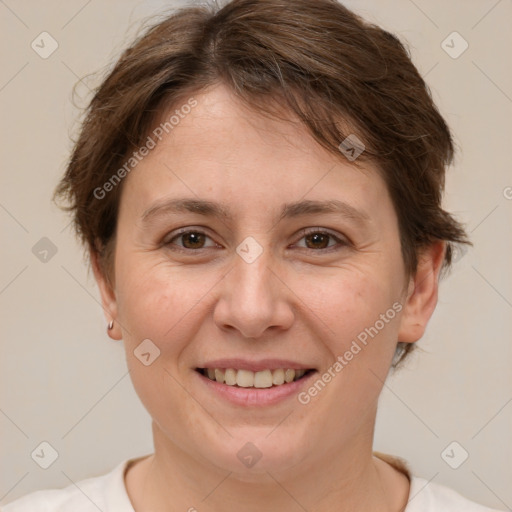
[289, 210]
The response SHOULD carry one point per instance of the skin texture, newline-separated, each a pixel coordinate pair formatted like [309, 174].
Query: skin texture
[297, 301]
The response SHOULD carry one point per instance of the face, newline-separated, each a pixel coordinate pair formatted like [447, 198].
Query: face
[278, 282]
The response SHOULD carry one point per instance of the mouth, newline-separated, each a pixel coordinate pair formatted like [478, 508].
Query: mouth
[264, 379]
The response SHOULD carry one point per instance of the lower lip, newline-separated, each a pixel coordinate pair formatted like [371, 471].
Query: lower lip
[256, 396]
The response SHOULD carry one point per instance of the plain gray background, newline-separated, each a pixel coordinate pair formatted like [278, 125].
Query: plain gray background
[65, 382]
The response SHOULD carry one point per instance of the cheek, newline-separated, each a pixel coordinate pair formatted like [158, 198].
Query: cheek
[360, 346]
[348, 301]
[157, 300]
[362, 311]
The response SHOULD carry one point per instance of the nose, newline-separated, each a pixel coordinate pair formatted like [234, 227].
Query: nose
[254, 298]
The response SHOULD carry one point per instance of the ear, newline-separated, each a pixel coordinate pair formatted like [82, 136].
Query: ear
[422, 293]
[108, 297]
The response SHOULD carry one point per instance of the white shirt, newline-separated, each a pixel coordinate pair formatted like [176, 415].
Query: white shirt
[108, 494]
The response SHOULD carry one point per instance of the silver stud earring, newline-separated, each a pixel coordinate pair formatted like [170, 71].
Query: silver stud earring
[110, 325]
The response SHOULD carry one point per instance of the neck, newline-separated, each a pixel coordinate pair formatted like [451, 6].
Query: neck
[348, 480]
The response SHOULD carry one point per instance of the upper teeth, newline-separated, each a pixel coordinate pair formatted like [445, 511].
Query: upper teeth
[248, 379]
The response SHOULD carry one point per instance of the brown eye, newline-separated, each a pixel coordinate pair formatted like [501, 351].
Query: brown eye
[193, 240]
[189, 240]
[317, 240]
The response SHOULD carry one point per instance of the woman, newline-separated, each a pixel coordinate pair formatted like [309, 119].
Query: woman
[259, 189]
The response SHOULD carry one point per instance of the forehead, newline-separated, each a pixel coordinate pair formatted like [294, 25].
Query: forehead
[219, 147]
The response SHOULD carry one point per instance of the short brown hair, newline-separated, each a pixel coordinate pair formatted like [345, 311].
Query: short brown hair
[336, 73]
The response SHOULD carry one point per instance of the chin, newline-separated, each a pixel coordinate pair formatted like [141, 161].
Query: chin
[255, 453]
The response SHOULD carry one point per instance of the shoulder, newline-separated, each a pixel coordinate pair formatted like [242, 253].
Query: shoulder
[428, 496]
[106, 492]
[425, 496]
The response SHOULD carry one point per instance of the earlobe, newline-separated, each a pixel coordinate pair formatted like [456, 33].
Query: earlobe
[108, 297]
[421, 299]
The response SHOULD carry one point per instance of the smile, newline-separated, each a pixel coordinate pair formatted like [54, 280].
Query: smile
[249, 379]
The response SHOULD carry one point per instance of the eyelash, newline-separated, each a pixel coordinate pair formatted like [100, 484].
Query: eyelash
[305, 232]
